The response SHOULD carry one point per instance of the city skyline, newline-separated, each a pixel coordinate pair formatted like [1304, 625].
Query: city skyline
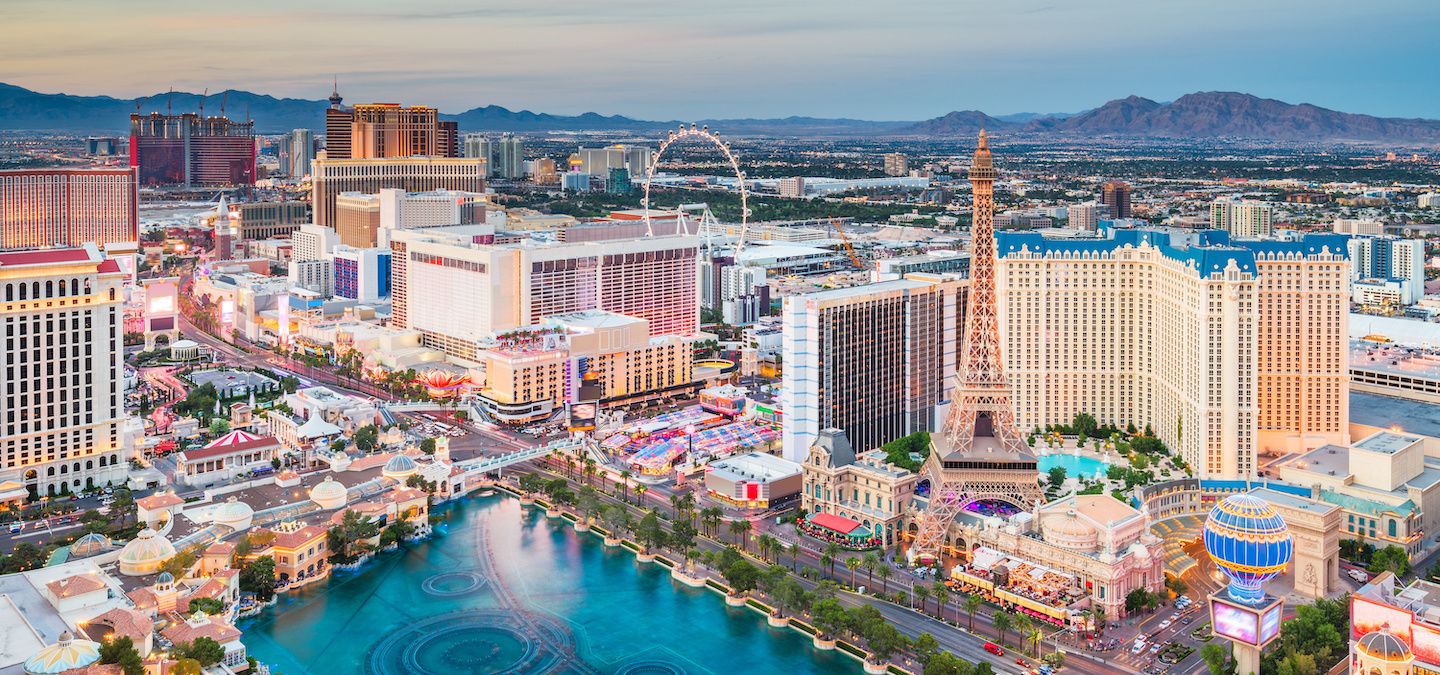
[952, 56]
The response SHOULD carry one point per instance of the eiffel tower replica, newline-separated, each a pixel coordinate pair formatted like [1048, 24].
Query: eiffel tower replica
[980, 454]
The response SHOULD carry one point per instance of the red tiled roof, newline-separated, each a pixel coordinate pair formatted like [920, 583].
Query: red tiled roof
[109, 265]
[214, 629]
[831, 521]
[298, 538]
[126, 622]
[220, 548]
[160, 501]
[49, 256]
[76, 585]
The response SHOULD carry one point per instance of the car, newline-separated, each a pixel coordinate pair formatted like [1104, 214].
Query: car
[1358, 575]
[1022, 663]
[994, 649]
[1139, 647]
[17, 527]
[1187, 620]
[1174, 616]
[1155, 647]
[1165, 624]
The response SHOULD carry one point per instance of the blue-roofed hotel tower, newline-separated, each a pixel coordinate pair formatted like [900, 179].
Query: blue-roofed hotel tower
[1225, 348]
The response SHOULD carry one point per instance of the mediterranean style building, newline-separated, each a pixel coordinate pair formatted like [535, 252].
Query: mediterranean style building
[1225, 349]
[864, 488]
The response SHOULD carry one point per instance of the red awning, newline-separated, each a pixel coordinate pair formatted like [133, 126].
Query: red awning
[831, 521]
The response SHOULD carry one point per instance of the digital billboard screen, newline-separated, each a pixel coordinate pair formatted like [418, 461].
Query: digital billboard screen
[1367, 616]
[1270, 624]
[1235, 623]
[1425, 643]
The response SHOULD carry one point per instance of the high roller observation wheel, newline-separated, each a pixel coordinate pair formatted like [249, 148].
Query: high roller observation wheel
[703, 133]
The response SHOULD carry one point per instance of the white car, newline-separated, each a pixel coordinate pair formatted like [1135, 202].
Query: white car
[1165, 624]
[1139, 647]
[1359, 576]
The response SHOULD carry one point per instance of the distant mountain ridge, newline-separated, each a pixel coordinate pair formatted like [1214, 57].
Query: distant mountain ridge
[1198, 115]
[1210, 114]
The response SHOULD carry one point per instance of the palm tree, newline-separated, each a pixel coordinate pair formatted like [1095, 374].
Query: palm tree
[942, 595]
[1022, 625]
[739, 528]
[972, 604]
[640, 491]
[589, 470]
[625, 484]
[834, 550]
[711, 517]
[870, 562]
[762, 547]
[884, 575]
[1002, 621]
[852, 563]
[793, 550]
[921, 593]
[1098, 615]
[1035, 635]
[826, 560]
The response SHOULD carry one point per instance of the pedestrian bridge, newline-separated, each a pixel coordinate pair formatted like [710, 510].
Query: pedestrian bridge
[496, 462]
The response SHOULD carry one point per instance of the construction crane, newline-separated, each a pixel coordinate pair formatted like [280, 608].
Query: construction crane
[845, 241]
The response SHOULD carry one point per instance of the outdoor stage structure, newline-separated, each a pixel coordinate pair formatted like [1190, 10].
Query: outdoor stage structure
[979, 454]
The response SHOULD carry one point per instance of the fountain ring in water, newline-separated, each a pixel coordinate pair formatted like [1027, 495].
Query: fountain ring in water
[477, 642]
[651, 668]
[452, 584]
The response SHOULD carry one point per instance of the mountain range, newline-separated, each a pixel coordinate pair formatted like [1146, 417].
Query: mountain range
[1195, 116]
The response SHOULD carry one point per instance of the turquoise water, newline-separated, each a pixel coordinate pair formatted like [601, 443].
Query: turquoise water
[441, 607]
[1075, 465]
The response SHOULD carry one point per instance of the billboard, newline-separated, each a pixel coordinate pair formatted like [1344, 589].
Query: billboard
[1270, 624]
[1235, 623]
[582, 416]
[1425, 643]
[1367, 616]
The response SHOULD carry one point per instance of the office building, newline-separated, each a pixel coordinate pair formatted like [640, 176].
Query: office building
[360, 273]
[1429, 200]
[1116, 195]
[387, 130]
[575, 181]
[68, 207]
[1242, 219]
[599, 161]
[872, 361]
[63, 382]
[793, 186]
[1222, 349]
[544, 172]
[297, 150]
[510, 157]
[619, 182]
[531, 371]
[897, 164]
[1385, 258]
[332, 177]
[267, 220]
[457, 291]
[1086, 217]
[478, 146]
[189, 150]
[1366, 227]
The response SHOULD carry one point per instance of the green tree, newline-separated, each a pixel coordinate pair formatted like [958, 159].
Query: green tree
[427, 446]
[711, 517]
[1136, 600]
[925, 647]
[741, 576]
[1217, 659]
[219, 427]
[94, 521]
[852, 563]
[829, 616]
[205, 650]
[211, 606]
[123, 508]
[122, 652]
[1084, 425]
[186, 666]
[366, 438]
[972, 604]
[258, 577]
[1392, 559]
[1056, 477]
[870, 562]
[946, 663]
[739, 529]
[649, 531]
[1002, 621]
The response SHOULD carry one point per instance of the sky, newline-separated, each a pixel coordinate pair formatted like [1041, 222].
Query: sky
[684, 59]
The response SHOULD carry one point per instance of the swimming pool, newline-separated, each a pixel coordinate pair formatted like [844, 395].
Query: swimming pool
[1074, 465]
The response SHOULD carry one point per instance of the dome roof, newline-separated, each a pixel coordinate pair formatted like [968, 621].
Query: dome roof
[1249, 542]
[399, 466]
[67, 654]
[1383, 645]
[90, 544]
[165, 578]
[147, 547]
[233, 512]
[1068, 530]
[329, 494]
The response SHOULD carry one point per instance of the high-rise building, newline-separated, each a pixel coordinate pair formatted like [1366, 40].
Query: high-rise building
[360, 273]
[366, 220]
[598, 161]
[68, 207]
[479, 145]
[870, 360]
[62, 362]
[575, 181]
[619, 182]
[1242, 219]
[897, 164]
[268, 220]
[793, 186]
[544, 172]
[331, 177]
[102, 146]
[1369, 227]
[1116, 195]
[299, 152]
[1086, 217]
[1390, 259]
[510, 156]
[312, 242]
[1222, 350]
[1429, 200]
[192, 151]
[386, 130]
[457, 291]
[979, 453]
